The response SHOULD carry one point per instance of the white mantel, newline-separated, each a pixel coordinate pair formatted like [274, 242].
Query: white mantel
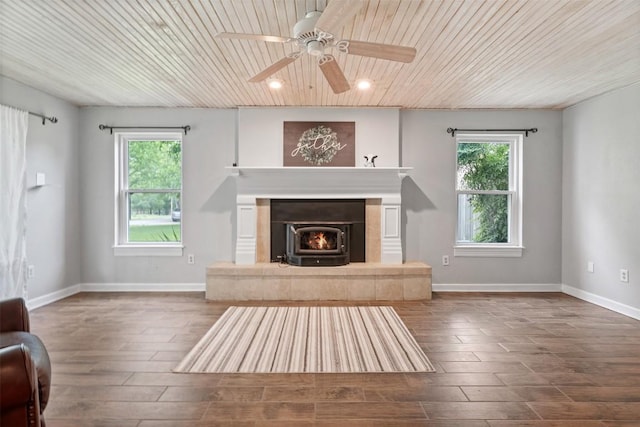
[382, 183]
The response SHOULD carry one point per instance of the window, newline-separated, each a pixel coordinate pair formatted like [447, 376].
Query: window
[148, 194]
[489, 195]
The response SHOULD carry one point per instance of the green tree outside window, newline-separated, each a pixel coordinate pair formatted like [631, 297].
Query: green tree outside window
[484, 167]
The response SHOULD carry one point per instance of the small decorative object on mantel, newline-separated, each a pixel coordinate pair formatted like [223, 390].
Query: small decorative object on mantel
[319, 144]
[370, 160]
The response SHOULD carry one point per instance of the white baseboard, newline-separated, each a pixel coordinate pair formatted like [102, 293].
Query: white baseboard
[52, 297]
[113, 287]
[142, 287]
[607, 303]
[496, 287]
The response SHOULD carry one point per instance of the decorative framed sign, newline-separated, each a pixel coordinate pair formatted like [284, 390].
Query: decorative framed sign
[319, 144]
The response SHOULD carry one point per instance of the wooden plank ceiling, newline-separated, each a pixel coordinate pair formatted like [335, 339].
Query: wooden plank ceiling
[470, 53]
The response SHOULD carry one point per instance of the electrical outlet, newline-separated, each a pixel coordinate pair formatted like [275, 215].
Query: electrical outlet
[624, 275]
[590, 267]
[445, 259]
[31, 271]
[191, 259]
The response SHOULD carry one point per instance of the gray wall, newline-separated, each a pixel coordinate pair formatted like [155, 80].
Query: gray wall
[601, 205]
[430, 212]
[79, 161]
[208, 201]
[53, 211]
[430, 202]
[592, 148]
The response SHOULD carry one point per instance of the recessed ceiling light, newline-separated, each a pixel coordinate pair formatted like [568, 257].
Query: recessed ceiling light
[275, 83]
[363, 84]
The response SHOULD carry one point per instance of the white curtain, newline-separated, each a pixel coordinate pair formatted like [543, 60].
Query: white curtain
[13, 202]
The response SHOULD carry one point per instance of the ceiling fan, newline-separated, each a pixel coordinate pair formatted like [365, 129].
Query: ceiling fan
[315, 32]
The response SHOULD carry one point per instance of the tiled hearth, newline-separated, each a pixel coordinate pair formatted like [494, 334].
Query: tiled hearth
[353, 282]
[383, 275]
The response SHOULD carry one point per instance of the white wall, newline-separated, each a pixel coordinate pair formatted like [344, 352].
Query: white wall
[53, 213]
[601, 203]
[260, 132]
[429, 198]
[208, 201]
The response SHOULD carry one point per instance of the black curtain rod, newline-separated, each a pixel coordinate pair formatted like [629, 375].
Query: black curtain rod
[185, 129]
[44, 118]
[453, 131]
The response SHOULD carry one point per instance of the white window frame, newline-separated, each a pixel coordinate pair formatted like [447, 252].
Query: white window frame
[514, 247]
[121, 246]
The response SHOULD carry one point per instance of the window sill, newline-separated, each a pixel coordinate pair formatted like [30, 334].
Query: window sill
[147, 250]
[488, 251]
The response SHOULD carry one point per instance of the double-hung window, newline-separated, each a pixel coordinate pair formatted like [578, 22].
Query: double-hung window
[489, 195]
[148, 216]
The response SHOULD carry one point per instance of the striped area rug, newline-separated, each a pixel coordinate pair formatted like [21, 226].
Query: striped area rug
[307, 339]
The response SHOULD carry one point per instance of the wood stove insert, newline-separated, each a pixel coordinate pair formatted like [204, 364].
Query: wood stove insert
[318, 244]
[345, 215]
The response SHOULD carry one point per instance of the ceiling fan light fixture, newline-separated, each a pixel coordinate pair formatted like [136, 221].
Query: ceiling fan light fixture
[364, 84]
[275, 83]
[318, 30]
[315, 48]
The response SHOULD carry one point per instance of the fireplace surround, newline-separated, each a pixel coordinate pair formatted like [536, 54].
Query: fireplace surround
[380, 188]
[381, 275]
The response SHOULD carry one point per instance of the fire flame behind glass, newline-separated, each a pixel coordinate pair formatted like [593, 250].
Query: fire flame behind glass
[319, 240]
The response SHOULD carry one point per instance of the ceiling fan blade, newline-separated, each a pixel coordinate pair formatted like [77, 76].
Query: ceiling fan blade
[336, 14]
[272, 69]
[258, 37]
[333, 74]
[390, 52]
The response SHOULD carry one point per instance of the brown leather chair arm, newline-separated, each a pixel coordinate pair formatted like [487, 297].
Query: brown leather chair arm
[14, 315]
[18, 384]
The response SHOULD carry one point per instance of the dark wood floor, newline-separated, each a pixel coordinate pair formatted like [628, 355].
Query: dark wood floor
[501, 359]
